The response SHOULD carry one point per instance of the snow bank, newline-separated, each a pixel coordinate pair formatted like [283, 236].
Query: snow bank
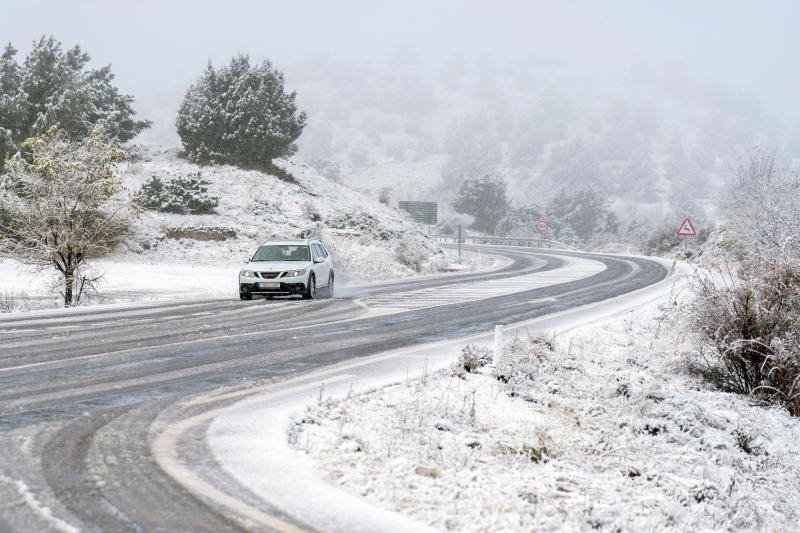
[602, 431]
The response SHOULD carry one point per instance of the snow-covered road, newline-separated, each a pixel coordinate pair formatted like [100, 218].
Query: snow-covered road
[250, 439]
[111, 404]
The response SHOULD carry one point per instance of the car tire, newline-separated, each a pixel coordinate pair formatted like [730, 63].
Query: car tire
[311, 289]
[245, 296]
[330, 285]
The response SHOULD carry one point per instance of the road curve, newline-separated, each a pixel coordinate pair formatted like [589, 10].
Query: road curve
[83, 395]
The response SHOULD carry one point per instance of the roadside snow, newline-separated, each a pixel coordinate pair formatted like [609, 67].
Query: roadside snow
[604, 431]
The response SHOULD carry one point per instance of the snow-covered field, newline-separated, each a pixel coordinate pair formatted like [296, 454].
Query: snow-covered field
[171, 255]
[600, 430]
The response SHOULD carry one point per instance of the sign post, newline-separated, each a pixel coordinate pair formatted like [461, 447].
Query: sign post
[421, 212]
[686, 230]
[541, 226]
[459, 238]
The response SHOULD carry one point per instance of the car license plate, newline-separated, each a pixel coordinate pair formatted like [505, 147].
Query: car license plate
[269, 285]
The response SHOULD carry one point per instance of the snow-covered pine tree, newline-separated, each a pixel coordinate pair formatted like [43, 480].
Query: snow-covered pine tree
[520, 222]
[483, 198]
[55, 88]
[12, 110]
[239, 114]
[577, 214]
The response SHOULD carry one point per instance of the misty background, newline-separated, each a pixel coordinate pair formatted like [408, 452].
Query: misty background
[651, 103]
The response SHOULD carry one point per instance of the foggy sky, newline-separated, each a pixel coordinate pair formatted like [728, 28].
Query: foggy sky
[160, 46]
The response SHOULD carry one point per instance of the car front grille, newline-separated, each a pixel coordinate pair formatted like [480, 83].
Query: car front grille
[270, 275]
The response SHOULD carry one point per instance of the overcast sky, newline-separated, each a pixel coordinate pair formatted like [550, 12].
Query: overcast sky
[160, 45]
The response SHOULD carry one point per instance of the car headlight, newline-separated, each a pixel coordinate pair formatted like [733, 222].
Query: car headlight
[295, 273]
[247, 274]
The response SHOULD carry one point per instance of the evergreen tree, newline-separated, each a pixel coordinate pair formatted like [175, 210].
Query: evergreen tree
[240, 115]
[579, 213]
[520, 222]
[484, 199]
[55, 88]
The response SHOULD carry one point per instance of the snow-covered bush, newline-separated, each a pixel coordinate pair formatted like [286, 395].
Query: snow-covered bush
[748, 329]
[361, 222]
[747, 321]
[54, 87]
[524, 360]
[662, 240]
[181, 195]
[417, 253]
[472, 358]
[240, 115]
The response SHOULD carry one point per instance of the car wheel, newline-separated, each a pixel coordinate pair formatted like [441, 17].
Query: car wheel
[311, 290]
[330, 285]
[245, 296]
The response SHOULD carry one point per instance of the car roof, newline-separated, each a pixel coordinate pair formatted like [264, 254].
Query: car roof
[291, 241]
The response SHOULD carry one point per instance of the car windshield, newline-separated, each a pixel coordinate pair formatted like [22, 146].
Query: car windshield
[283, 252]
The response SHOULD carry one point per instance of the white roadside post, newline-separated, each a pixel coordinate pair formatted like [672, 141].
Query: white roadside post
[498, 344]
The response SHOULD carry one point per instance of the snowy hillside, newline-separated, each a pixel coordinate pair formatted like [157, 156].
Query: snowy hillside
[170, 255]
[370, 241]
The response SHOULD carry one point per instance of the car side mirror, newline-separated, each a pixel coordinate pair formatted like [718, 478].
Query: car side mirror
[319, 259]
[246, 261]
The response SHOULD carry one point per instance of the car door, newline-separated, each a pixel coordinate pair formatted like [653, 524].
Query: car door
[321, 270]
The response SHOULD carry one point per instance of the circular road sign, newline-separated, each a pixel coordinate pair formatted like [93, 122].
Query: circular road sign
[541, 226]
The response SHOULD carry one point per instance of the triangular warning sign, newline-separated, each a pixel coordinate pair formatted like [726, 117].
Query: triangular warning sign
[686, 229]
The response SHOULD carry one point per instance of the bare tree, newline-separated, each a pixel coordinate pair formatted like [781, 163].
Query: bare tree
[763, 209]
[64, 203]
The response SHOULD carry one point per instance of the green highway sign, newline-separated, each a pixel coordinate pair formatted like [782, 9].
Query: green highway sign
[422, 212]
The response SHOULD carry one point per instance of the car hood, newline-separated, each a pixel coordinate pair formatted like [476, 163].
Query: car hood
[276, 266]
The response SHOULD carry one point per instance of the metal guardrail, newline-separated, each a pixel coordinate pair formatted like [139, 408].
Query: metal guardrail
[507, 241]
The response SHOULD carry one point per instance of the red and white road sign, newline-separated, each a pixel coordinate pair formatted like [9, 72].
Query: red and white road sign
[541, 226]
[686, 229]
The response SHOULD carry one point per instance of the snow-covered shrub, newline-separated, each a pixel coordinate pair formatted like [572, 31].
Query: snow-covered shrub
[240, 115]
[662, 240]
[417, 253]
[311, 213]
[361, 222]
[748, 329]
[473, 357]
[748, 321]
[201, 233]
[524, 360]
[181, 195]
